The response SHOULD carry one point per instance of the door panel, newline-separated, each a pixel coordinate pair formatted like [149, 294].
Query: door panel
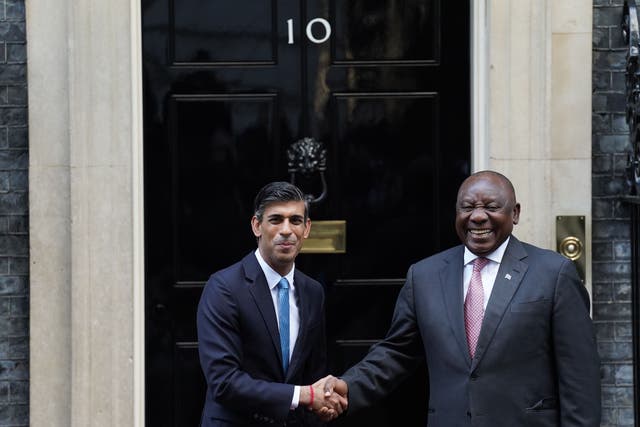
[379, 169]
[225, 94]
[214, 139]
[386, 30]
[205, 32]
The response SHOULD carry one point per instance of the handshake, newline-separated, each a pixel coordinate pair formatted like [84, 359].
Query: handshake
[327, 397]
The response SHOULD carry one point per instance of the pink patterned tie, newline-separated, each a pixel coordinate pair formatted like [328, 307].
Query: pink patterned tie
[474, 305]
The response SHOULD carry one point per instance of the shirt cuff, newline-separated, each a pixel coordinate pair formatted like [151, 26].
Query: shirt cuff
[296, 397]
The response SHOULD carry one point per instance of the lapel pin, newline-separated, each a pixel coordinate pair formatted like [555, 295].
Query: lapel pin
[507, 276]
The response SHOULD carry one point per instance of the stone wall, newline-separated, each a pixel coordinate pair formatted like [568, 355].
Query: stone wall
[611, 233]
[14, 239]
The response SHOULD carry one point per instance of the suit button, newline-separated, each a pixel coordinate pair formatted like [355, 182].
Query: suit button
[474, 377]
[468, 414]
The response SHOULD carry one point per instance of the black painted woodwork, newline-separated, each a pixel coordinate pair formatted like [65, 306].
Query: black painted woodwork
[634, 208]
[630, 27]
[225, 95]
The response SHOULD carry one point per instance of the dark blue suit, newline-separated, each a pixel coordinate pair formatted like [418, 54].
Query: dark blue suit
[536, 362]
[239, 347]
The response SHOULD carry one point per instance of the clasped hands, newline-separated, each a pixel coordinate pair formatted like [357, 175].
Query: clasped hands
[327, 397]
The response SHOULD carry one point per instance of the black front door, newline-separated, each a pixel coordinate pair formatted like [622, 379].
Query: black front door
[228, 87]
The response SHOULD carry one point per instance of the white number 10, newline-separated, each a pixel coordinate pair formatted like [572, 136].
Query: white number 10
[310, 36]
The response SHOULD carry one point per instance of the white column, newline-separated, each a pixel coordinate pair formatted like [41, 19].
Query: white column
[540, 110]
[86, 214]
[49, 215]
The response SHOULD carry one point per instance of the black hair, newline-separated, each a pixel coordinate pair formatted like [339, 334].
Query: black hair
[278, 191]
[500, 176]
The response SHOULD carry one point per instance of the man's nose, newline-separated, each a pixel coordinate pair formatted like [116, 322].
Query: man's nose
[478, 215]
[286, 227]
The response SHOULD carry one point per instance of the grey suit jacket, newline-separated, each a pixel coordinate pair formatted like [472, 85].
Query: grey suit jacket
[536, 361]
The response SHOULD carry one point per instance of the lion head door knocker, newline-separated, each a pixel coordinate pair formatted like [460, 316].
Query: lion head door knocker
[307, 157]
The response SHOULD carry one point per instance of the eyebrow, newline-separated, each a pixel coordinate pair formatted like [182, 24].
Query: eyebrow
[278, 216]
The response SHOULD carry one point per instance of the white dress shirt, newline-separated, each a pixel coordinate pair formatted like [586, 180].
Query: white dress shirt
[488, 273]
[273, 278]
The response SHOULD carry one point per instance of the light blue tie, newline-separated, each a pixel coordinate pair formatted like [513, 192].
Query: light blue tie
[283, 320]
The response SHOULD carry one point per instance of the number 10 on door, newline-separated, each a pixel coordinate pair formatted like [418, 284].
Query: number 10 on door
[309, 30]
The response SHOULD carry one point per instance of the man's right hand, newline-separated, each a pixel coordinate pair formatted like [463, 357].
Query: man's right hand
[334, 393]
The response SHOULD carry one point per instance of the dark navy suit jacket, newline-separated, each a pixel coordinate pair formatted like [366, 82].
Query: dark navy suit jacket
[536, 362]
[239, 347]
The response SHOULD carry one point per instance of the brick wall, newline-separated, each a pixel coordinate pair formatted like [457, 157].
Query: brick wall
[611, 233]
[14, 239]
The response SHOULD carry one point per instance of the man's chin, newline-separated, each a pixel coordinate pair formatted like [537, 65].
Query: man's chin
[480, 248]
[286, 258]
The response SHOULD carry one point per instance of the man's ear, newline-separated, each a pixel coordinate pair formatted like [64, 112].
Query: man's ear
[516, 213]
[307, 229]
[255, 226]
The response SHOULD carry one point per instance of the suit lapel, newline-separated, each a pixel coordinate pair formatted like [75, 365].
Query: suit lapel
[508, 279]
[261, 294]
[451, 284]
[303, 313]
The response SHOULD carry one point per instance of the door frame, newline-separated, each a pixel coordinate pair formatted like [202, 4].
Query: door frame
[479, 158]
[479, 85]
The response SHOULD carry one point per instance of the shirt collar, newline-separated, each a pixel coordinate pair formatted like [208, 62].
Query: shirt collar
[495, 256]
[272, 276]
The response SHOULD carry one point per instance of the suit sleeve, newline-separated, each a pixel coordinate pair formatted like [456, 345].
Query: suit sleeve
[220, 348]
[390, 361]
[576, 354]
[316, 364]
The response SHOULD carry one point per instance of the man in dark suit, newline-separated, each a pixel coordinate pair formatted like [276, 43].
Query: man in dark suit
[261, 326]
[504, 327]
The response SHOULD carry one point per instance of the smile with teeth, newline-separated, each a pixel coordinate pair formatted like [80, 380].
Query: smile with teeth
[480, 233]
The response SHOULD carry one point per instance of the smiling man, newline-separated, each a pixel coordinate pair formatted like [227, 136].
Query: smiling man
[261, 328]
[504, 327]
[486, 211]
